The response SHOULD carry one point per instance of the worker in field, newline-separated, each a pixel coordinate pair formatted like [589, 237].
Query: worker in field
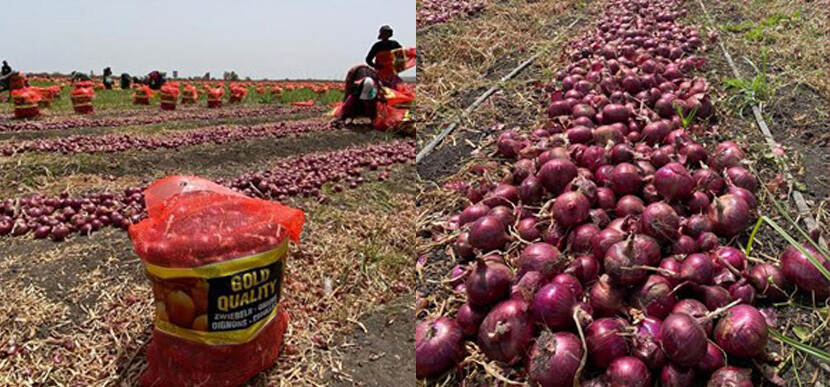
[108, 78]
[361, 94]
[383, 44]
[126, 80]
[5, 74]
[155, 80]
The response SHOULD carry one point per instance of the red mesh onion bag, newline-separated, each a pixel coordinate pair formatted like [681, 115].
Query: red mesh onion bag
[216, 260]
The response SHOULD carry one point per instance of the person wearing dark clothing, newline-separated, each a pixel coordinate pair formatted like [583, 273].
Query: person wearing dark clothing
[6, 69]
[5, 75]
[155, 79]
[79, 76]
[361, 93]
[125, 81]
[108, 78]
[384, 44]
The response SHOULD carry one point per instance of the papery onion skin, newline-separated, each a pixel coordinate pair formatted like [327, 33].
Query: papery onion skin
[439, 346]
[675, 376]
[770, 281]
[571, 208]
[554, 359]
[729, 215]
[542, 257]
[487, 233]
[469, 319]
[506, 333]
[732, 377]
[713, 360]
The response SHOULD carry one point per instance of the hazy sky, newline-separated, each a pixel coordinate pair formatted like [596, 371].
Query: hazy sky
[260, 39]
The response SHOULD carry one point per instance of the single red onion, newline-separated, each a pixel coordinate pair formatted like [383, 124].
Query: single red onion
[683, 339]
[726, 154]
[660, 221]
[729, 257]
[571, 208]
[684, 245]
[488, 283]
[462, 247]
[746, 195]
[606, 199]
[473, 212]
[629, 205]
[528, 230]
[742, 331]
[695, 309]
[585, 268]
[469, 319]
[742, 291]
[554, 359]
[580, 240]
[741, 177]
[552, 306]
[707, 241]
[556, 174]
[798, 270]
[695, 225]
[605, 341]
[732, 377]
[729, 215]
[530, 190]
[504, 214]
[506, 332]
[626, 179]
[713, 360]
[708, 181]
[541, 257]
[439, 346]
[770, 281]
[673, 182]
[628, 371]
[698, 202]
[527, 285]
[487, 233]
[655, 297]
[604, 298]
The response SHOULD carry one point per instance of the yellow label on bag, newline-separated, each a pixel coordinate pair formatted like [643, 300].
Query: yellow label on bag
[226, 302]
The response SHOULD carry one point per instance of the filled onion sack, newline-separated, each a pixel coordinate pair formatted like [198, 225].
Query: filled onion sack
[216, 260]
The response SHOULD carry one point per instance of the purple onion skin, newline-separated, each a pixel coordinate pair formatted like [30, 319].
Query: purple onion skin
[713, 360]
[660, 221]
[729, 215]
[552, 305]
[732, 377]
[628, 371]
[655, 297]
[439, 346]
[769, 281]
[697, 268]
[646, 345]
[675, 376]
[585, 268]
[605, 298]
[554, 359]
[527, 229]
[527, 285]
[469, 319]
[487, 233]
[541, 257]
[462, 248]
[695, 309]
[488, 283]
[673, 182]
[506, 333]
[556, 174]
[682, 339]
[571, 208]
[604, 341]
[743, 291]
[742, 332]
[798, 270]
[571, 282]
[473, 212]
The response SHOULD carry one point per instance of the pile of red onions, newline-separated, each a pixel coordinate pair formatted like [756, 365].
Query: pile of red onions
[221, 134]
[144, 117]
[611, 218]
[439, 11]
[58, 217]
